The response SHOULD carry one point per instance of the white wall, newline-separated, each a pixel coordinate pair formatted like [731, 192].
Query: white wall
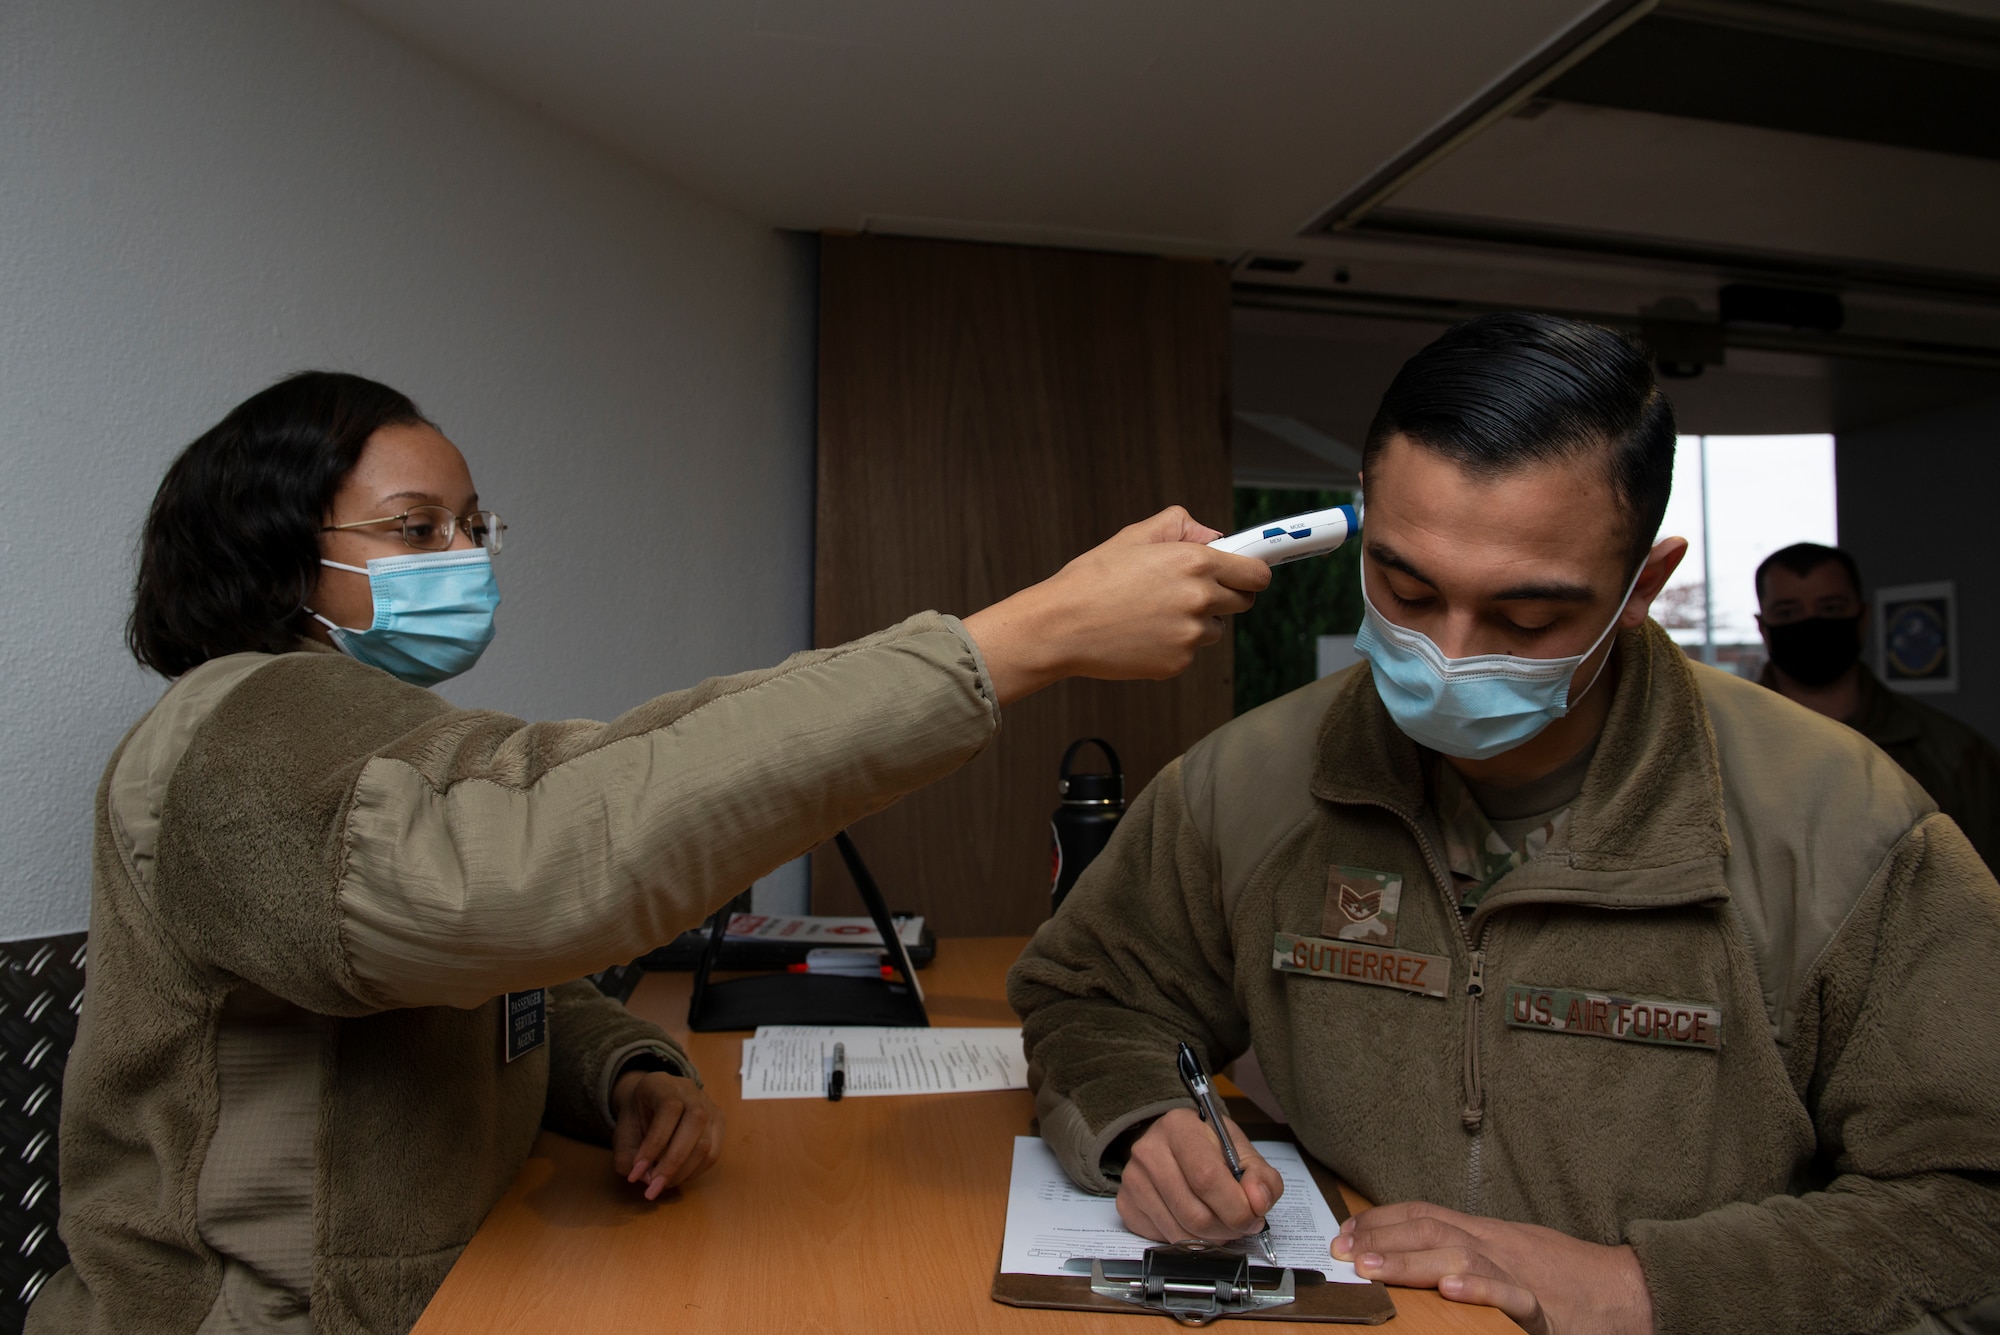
[1916, 504]
[197, 198]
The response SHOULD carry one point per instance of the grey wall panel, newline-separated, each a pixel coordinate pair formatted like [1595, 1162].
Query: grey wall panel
[1915, 503]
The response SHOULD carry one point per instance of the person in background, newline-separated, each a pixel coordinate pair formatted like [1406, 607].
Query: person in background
[1814, 622]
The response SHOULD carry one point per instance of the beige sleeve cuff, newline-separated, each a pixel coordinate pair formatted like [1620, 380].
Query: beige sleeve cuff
[1079, 1149]
[608, 1075]
[979, 667]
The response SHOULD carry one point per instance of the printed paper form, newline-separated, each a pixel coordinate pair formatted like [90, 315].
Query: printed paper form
[1050, 1219]
[819, 931]
[791, 1061]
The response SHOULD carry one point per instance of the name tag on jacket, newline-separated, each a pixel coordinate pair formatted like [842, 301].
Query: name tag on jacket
[527, 1021]
[1353, 962]
[1676, 1024]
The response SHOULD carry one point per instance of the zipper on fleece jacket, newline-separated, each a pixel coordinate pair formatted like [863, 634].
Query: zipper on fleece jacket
[1473, 1116]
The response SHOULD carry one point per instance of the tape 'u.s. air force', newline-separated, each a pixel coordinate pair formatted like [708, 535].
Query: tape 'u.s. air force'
[1354, 962]
[1677, 1024]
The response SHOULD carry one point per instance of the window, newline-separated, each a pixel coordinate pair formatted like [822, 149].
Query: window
[1761, 493]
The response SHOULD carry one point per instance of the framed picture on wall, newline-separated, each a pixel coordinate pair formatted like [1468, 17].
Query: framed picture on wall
[1916, 637]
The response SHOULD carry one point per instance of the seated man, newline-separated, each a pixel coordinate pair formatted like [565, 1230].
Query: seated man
[1642, 998]
[1814, 622]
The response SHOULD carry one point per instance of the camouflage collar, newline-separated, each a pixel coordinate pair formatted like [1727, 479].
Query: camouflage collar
[1648, 828]
[1478, 856]
[1884, 718]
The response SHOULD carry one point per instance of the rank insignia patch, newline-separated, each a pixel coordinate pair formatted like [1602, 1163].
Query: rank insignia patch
[1361, 905]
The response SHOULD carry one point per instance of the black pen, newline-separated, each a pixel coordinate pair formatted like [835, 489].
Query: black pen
[836, 1077]
[1202, 1092]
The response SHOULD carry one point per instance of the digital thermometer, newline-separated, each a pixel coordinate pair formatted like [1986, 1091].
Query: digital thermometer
[1294, 539]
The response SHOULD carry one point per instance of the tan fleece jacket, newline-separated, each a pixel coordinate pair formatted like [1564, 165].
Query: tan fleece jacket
[287, 1108]
[1950, 761]
[1742, 1014]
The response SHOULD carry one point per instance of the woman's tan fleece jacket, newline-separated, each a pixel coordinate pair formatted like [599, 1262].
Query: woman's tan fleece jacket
[287, 1108]
[1744, 1014]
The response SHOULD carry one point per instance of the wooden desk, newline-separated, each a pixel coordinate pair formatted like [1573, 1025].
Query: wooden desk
[879, 1214]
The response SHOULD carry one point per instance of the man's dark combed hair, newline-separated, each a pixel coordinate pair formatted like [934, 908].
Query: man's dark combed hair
[1802, 558]
[231, 545]
[1500, 392]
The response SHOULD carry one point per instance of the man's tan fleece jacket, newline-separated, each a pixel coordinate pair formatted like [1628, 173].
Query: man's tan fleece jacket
[287, 1108]
[1832, 1165]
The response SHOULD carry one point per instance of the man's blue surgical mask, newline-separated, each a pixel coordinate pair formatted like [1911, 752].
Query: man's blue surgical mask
[433, 614]
[1473, 708]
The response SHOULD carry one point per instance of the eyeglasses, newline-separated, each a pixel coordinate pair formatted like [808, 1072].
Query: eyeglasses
[431, 528]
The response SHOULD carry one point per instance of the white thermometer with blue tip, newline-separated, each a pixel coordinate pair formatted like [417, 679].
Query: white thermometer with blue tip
[1281, 540]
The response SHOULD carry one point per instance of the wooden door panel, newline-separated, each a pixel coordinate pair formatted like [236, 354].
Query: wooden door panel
[986, 413]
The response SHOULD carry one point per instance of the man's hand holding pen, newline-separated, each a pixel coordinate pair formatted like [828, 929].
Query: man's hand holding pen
[1176, 1185]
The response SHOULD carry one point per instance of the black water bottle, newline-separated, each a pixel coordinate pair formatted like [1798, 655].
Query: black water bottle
[1082, 825]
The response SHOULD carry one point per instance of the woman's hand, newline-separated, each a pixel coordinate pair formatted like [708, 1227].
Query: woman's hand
[1136, 607]
[668, 1131]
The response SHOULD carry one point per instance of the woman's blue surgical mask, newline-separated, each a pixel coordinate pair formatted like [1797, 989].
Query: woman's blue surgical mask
[433, 614]
[1472, 708]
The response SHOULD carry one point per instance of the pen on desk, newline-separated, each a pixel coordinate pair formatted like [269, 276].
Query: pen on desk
[836, 1077]
[1202, 1091]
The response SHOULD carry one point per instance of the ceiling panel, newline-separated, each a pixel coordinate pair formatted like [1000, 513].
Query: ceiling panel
[1218, 123]
[1642, 175]
[1710, 71]
[1227, 128]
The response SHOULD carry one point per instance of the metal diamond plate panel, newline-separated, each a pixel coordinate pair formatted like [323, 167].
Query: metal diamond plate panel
[41, 989]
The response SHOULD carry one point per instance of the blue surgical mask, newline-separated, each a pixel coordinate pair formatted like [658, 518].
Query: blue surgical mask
[433, 614]
[1473, 708]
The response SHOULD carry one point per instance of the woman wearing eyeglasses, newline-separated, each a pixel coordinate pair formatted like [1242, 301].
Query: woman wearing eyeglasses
[333, 917]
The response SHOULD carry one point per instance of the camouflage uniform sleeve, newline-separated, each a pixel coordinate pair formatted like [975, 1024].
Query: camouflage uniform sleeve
[590, 1037]
[1978, 799]
[1896, 1058]
[1137, 960]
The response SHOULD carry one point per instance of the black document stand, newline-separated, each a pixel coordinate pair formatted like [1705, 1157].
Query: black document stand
[806, 998]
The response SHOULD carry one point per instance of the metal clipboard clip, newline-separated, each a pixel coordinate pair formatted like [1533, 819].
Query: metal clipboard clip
[1192, 1282]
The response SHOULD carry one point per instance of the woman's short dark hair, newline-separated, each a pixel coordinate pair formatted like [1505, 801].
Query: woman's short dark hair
[1501, 391]
[231, 545]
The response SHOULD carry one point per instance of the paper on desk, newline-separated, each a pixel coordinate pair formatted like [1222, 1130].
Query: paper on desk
[1050, 1219]
[818, 931]
[788, 1061]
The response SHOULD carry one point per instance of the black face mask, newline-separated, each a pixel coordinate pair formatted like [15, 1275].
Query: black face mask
[1815, 651]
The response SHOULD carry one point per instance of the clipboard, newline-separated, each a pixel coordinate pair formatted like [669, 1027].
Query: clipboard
[1351, 1304]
